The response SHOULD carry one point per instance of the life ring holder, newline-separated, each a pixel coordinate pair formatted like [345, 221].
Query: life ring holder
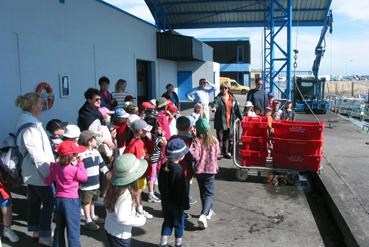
[47, 97]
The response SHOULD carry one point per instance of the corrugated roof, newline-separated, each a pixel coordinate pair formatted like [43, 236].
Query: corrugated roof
[181, 14]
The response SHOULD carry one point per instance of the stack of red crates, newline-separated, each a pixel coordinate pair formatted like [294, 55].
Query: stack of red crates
[297, 145]
[254, 141]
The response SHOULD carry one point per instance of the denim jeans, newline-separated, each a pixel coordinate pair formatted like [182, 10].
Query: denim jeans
[206, 184]
[67, 215]
[39, 219]
[118, 242]
[173, 218]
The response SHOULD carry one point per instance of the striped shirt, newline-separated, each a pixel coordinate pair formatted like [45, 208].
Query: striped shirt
[119, 97]
[94, 164]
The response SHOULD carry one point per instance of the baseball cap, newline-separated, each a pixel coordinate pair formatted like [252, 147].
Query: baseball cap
[69, 147]
[129, 98]
[202, 125]
[131, 119]
[140, 124]
[147, 105]
[85, 136]
[104, 110]
[55, 124]
[72, 131]
[120, 112]
[249, 104]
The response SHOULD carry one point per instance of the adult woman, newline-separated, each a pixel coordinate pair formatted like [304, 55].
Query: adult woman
[120, 92]
[226, 108]
[89, 117]
[171, 95]
[34, 143]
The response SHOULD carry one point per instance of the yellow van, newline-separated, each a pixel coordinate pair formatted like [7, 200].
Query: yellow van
[235, 87]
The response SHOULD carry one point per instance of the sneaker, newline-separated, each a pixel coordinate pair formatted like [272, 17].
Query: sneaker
[210, 214]
[227, 155]
[46, 241]
[98, 220]
[202, 222]
[192, 201]
[10, 234]
[91, 226]
[146, 214]
[153, 198]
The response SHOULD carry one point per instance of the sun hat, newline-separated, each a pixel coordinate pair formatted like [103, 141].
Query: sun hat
[72, 131]
[85, 136]
[104, 110]
[202, 125]
[161, 102]
[127, 169]
[120, 112]
[267, 109]
[176, 148]
[69, 147]
[131, 118]
[55, 124]
[249, 104]
[140, 124]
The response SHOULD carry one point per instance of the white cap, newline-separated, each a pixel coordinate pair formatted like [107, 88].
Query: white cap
[131, 119]
[72, 131]
[249, 104]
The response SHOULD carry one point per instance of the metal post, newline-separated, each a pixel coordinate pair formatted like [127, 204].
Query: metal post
[271, 57]
[289, 50]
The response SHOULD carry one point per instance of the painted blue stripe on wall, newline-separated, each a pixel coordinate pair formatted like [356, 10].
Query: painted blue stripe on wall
[235, 67]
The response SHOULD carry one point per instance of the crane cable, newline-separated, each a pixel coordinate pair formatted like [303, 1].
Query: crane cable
[295, 63]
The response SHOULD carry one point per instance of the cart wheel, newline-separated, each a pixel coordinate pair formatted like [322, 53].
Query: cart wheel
[292, 179]
[242, 175]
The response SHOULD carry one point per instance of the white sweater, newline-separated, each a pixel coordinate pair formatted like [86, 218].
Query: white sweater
[119, 223]
[34, 141]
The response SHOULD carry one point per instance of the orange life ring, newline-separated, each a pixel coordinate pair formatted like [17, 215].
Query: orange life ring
[49, 96]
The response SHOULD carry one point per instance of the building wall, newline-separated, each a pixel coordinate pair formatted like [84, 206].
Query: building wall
[84, 39]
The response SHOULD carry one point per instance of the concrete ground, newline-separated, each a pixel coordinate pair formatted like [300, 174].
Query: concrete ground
[253, 213]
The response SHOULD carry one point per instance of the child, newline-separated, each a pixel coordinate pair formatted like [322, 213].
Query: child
[120, 210]
[197, 111]
[137, 147]
[276, 113]
[120, 122]
[56, 129]
[89, 191]
[155, 146]
[6, 210]
[205, 150]
[174, 192]
[288, 112]
[249, 109]
[66, 175]
[163, 122]
[105, 151]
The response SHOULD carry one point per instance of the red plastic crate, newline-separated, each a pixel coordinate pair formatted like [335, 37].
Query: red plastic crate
[254, 143]
[297, 162]
[255, 126]
[298, 130]
[253, 158]
[302, 147]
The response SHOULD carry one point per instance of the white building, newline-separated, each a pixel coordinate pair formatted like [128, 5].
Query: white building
[42, 40]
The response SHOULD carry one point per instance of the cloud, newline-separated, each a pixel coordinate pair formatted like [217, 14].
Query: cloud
[356, 10]
[134, 7]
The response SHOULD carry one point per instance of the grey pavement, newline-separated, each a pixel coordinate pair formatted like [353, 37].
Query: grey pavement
[253, 213]
[345, 177]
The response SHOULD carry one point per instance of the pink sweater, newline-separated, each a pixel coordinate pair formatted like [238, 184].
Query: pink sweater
[206, 158]
[67, 179]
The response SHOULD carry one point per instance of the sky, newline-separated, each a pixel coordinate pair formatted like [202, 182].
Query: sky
[347, 49]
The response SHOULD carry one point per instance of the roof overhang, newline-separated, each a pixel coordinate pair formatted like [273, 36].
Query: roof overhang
[185, 14]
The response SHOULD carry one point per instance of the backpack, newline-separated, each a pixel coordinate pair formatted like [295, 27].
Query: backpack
[10, 156]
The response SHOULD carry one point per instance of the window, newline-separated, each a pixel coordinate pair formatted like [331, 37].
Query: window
[239, 54]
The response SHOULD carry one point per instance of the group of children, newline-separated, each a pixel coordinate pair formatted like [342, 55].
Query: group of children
[151, 144]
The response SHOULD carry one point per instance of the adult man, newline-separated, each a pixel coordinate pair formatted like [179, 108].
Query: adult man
[200, 95]
[257, 96]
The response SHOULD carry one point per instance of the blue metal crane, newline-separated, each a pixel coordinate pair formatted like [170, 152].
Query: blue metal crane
[309, 91]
